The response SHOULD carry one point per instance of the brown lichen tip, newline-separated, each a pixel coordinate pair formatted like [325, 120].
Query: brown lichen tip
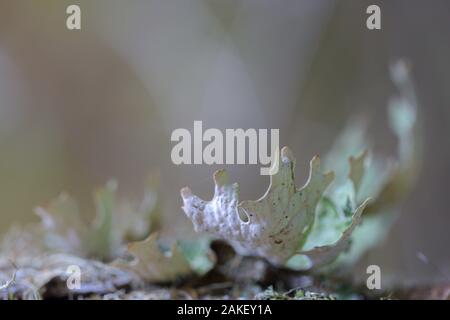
[221, 177]
[286, 155]
[361, 157]
[315, 167]
[186, 192]
[314, 164]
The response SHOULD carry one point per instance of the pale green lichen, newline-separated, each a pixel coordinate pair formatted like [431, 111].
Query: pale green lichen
[314, 225]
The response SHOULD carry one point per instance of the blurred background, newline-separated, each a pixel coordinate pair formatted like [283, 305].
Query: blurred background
[80, 107]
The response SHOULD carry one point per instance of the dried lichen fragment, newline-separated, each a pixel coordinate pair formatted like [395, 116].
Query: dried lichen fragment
[47, 275]
[152, 264]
